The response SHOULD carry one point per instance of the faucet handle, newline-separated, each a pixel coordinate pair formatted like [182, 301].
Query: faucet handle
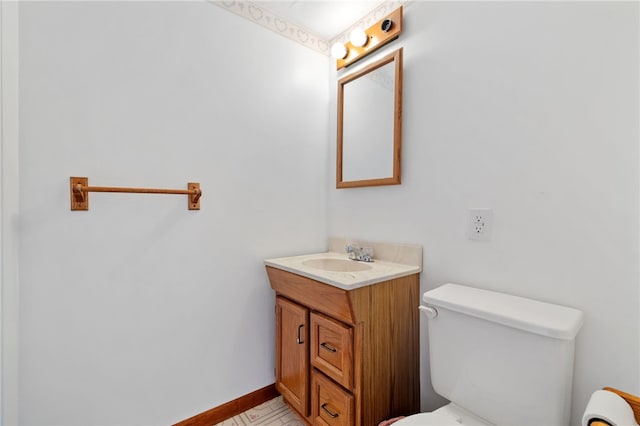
[352, 248]
[367, 254]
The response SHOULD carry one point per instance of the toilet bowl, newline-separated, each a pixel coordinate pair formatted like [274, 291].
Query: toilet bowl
[499, 359]
[427, 419]
[449, 415]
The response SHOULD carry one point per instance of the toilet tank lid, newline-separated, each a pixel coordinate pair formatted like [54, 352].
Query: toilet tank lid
[542, 318]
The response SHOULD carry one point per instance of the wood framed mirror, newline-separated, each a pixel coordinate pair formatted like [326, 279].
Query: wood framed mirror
[370, 124]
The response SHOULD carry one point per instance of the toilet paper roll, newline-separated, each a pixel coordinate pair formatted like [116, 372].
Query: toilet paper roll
[610, 407]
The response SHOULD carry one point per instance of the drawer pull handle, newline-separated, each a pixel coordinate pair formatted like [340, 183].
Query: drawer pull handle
[326, 410]
[328, 347]
[299, 339]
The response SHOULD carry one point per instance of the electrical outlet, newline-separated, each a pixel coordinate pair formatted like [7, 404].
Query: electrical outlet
[479, 224]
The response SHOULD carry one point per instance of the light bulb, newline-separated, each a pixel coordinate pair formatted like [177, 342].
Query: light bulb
[338, 51]
[358, 37]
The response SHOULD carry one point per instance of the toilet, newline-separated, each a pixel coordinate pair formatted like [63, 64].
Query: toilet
[499, 359]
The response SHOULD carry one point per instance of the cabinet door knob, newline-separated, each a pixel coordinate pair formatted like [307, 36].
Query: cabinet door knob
[328, 347]
[326, 410]
[299, 339]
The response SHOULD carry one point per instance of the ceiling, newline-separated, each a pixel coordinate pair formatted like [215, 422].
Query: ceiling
[325, 18]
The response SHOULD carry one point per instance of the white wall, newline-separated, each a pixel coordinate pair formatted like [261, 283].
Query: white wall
[140, 311]
[9, 205]
[530, 109]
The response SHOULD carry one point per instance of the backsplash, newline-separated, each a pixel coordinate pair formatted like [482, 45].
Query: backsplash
[406, 254]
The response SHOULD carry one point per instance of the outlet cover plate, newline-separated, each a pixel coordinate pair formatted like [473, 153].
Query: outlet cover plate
[480, 224]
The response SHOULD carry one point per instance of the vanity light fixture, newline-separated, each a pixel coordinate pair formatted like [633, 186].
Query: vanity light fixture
[362, 42]
[338, 51]
[386, 25]
[358, 37]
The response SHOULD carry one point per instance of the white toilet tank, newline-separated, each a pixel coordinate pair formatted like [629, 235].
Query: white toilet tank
[504, 358]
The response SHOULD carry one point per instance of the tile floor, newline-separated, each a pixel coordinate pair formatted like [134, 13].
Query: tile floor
[271, 413]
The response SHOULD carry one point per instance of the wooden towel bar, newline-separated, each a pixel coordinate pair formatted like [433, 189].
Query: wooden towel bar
[79, 192]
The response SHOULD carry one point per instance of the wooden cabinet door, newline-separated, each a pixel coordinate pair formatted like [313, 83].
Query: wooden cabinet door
[292, 354]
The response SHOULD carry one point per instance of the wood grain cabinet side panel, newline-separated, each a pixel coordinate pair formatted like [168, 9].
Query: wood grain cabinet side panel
[388, 351]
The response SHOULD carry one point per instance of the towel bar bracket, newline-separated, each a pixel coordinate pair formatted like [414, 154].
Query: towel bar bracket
[79, 199]
[79, 192]
[194, 197]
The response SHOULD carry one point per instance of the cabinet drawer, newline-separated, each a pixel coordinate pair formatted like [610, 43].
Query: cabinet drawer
[330, 404]
[332, 348]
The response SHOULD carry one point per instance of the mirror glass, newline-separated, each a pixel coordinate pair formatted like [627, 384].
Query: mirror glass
[369, 124]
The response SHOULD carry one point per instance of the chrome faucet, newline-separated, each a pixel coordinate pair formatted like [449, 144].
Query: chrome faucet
[362, 254]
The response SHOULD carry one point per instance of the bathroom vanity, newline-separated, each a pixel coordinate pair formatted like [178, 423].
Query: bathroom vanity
[347, 343]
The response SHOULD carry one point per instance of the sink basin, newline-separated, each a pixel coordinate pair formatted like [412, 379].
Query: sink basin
[337, 265]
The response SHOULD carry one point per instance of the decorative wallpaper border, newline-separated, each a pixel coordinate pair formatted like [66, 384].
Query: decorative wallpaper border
[262, 16]
[371, 18]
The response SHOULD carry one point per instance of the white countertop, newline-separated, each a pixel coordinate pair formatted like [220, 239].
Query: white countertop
[380, 270]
